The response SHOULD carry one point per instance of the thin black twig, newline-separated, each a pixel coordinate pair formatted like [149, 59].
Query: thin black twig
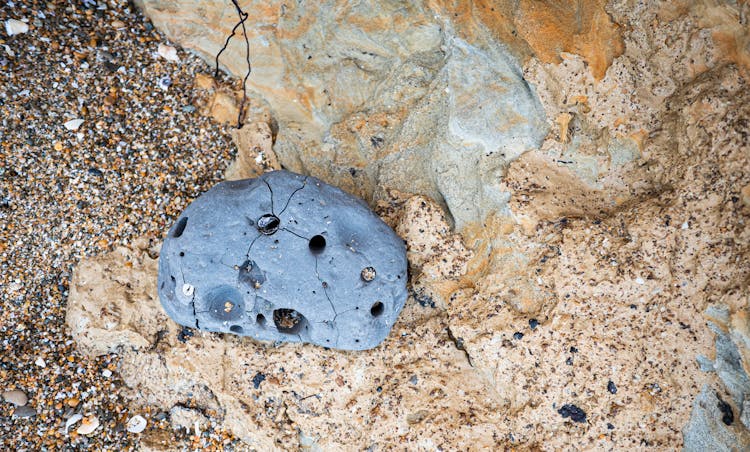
[243, 17]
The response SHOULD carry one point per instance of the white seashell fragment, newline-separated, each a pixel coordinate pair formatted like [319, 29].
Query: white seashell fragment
[136, 424]
[73, 124]
[89, 424]
[71, 421]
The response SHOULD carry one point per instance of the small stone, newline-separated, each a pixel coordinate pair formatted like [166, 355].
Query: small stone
[40, 362]
[533, 323]
[15, 27]
[73, 124]
[73, 402]
[24, 412]
[169, 53]
[136, 424]
[164, 83]
[58, 146]
[106, 373]
[89, 424]
[16, 397]
[258, 379]
[118, 24]
[573, 412]
[518, 335]
[639, 280]
[611, 387]
[368, 274]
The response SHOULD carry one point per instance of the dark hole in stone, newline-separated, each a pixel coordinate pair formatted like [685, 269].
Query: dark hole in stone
[726, 410]
[182, 253]
[179, 227]
[260, 319]
[236, 329]
[377, 309]
[367, 274]
[317, 244]
[288, 321]
[268, 224]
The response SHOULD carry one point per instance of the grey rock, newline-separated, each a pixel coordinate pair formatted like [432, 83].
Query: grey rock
[16, 397]
[706, 430]
[728, 365]
[705, 364]
[284, 257]
[745, 415]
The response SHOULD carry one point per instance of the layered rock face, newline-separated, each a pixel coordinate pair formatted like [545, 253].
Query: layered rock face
[594, 161]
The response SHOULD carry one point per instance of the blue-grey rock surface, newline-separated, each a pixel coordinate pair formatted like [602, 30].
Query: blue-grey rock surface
[284, 257]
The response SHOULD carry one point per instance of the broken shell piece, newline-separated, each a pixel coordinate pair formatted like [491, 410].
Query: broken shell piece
[73, 124]
[136, 424]
[88, 425]
[72, 420]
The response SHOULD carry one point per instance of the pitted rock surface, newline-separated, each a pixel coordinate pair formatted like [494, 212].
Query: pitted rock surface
[284, 257]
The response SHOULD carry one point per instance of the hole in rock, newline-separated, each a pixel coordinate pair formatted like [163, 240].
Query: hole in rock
[317, 244]
[179, 227]
[288, 321]
[377, 309]
[182, 254]
[367, 274]
[236, 329]
[260, 319]
[268, 224]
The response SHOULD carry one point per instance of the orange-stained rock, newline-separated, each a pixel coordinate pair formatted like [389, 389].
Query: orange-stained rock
[584, 28]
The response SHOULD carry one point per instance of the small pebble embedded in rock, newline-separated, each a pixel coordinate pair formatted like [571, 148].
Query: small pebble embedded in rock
[611, 387]
[518, 335]
[258, 379]
[573, 412]
[284, 257]
[533, 323]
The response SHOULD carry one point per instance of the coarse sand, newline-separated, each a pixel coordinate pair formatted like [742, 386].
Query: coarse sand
[70, 189]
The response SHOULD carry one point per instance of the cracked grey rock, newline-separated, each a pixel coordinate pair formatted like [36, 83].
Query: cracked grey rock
[287, 258]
